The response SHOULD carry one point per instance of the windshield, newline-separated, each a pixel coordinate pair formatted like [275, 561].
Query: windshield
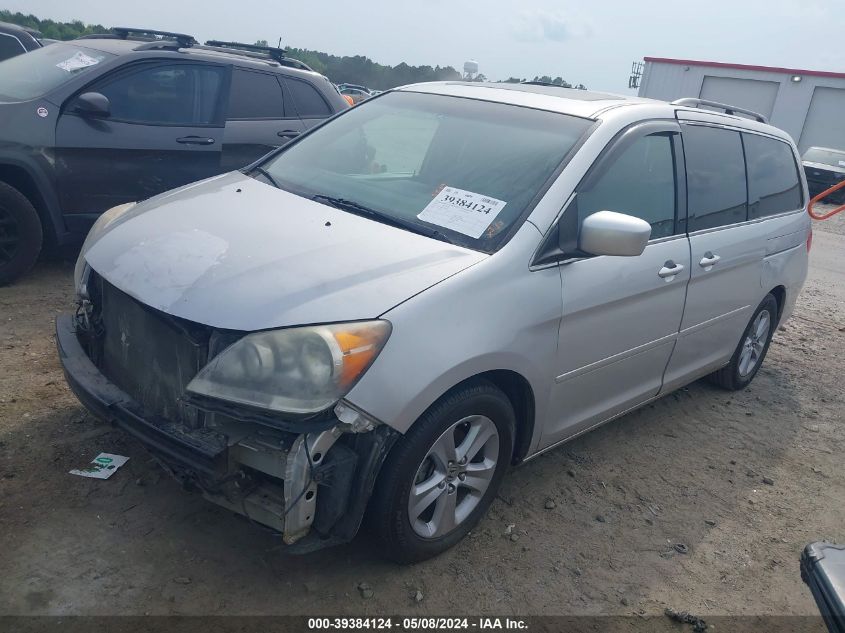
[36, 73]
[458, 168]
[825, 156]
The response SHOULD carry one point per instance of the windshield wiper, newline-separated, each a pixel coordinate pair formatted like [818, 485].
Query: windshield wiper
[268, 176]
[360, 209]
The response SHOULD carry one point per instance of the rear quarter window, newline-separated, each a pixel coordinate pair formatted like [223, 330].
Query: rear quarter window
[309, 103]
[773, 183]
[716, 185]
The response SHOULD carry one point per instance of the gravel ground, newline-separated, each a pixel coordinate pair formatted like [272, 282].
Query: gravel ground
[700, 502]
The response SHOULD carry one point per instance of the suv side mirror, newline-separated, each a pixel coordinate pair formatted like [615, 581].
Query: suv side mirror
[92, 104]
[611, 233]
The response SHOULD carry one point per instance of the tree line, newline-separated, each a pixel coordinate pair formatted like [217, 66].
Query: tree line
[355, 69]
[358, 69]
[51, 29]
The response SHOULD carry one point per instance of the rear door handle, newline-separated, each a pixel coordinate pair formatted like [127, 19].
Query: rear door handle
[287, 133]
[709, 260]
[195, 140]
[669, 270]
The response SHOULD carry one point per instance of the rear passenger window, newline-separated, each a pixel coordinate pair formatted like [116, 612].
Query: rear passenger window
[773, 185]
[308, 101]
[255, 96]
[716, 189]
[640, 182]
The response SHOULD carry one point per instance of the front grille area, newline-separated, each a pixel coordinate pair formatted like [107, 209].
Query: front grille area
[149, 355]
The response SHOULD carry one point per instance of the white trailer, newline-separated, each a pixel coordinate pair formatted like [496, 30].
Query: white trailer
[808, 104]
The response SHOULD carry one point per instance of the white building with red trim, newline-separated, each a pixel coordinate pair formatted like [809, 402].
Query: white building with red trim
[808, 104]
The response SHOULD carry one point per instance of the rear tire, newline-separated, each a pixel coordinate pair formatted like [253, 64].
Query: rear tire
[21, 235]
[752, 348]
[442, 476]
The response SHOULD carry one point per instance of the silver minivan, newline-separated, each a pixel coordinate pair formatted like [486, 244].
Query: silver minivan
[377, 320]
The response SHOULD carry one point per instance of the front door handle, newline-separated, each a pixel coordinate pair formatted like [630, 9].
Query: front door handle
[195, 140]
[669, 270]
[709, 260]
[287, 133]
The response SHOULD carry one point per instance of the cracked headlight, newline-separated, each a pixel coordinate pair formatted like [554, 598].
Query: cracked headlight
[96, 232]
[297, 370]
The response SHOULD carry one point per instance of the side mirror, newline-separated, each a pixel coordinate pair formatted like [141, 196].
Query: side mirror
[92, 104]
[611, 233]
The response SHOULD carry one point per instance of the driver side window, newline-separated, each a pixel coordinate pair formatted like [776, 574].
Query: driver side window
[639, 182]
[178, 94]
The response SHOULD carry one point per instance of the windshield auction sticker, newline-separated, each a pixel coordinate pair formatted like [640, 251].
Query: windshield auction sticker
[462, 211]
[79, 61]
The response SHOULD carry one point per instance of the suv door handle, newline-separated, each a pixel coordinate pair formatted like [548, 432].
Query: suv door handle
[669, 270]
[708, 260]
[287, 133]
[195, 140]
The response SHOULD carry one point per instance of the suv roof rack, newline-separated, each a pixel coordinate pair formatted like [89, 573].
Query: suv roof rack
[728, 109]
[151, 38]
[164, 37]
[258, 52]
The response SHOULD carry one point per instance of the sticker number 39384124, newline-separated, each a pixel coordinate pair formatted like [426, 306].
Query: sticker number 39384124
[462, 211]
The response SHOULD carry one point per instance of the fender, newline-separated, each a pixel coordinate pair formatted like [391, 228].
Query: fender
[48, 202]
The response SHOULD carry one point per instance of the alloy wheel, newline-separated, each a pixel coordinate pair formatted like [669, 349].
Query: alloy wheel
[754, 343]
[453, 477]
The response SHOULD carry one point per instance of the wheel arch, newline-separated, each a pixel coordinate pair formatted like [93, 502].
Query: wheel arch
[779, 293]
[518, 390]
[33, 187]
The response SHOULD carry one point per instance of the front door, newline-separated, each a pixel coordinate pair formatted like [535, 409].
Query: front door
[621, 315]
[164, 130]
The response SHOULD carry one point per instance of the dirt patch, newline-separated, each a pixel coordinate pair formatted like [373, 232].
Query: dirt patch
[700, 502]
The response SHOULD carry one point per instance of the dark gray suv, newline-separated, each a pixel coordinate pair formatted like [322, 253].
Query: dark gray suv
[102, 120]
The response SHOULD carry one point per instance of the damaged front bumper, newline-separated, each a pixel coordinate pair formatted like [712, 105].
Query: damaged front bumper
[310, 483]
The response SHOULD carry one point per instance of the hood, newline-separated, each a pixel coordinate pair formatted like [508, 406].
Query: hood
[235, 253]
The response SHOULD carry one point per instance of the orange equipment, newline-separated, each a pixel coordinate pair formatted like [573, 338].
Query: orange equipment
[827, 192]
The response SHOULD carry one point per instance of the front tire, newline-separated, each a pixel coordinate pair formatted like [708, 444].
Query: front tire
[442, 476]
[752, 348]
[21, 235]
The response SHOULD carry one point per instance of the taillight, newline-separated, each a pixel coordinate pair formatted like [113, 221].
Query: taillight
[810, 239]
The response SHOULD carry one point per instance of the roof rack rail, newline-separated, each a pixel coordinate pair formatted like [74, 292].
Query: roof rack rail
[253, 50]
[181, 39]
[728, 109]
[542, 83]
[98, 36]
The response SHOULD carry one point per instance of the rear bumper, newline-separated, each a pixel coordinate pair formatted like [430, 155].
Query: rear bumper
[204, 453]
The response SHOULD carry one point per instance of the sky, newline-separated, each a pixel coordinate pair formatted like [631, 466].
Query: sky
[593, 43]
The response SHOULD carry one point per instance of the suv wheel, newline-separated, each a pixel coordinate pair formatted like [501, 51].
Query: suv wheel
[20, 234]
[439, 480]
[752, 348]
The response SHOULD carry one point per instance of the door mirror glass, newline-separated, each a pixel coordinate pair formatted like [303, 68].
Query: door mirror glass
[92, 104]
[611, 233]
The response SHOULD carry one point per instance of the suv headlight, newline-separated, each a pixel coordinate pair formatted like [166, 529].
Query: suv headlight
[97, 230]
[297, 370]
